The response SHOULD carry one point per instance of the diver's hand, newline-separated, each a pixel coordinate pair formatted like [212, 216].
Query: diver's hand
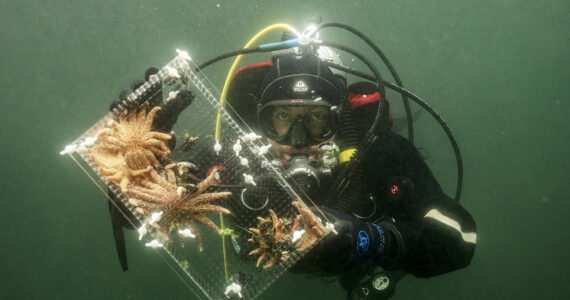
[171, 107]
[354, 242]
[155, 99]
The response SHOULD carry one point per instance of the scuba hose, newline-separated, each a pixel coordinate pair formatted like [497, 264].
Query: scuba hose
[386, 62]
[350, 182]
[430, 110]
[348, 143]
[380, 122]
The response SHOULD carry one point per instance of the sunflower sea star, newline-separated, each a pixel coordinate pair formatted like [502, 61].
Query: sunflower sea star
[180, 207]
[126, 148]
[114, 168]
[133, 137]
[313, 228]
[275, 236]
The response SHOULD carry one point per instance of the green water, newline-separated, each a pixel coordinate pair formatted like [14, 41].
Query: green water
[498, 71]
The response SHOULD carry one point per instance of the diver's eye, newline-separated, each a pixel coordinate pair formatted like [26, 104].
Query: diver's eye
[317, 116]
[282, 115]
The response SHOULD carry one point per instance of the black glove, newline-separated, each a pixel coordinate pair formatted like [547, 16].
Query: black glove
[154, 98]
[354, 242]
[167, 116]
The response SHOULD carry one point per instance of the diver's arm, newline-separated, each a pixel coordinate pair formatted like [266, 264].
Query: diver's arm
[431, 233]
[441, 241]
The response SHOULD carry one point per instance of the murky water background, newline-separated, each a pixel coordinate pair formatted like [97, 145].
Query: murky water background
[498, 71]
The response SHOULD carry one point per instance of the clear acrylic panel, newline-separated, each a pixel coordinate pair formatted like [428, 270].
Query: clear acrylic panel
[216, 205]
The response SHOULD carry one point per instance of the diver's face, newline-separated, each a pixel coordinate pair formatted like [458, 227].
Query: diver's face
[298, 129]
[314, 117]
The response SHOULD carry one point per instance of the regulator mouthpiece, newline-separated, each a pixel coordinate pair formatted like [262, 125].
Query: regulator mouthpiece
[304, 173]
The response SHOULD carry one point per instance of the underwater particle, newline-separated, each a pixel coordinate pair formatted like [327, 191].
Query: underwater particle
[142, 231]
[183, 54]
[544, 199]
[237, 147]
[217, 147]
[186, 233]
[333, 108]
[68, 149]
[219, 5]
[154, 244]
[249, 179]
[263, 150]
[318, 99]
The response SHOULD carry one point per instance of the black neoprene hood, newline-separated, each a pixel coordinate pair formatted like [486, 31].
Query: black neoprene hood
[299, 80]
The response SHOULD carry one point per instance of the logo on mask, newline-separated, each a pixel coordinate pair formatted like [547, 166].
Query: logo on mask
[362, 242]
[300, 86]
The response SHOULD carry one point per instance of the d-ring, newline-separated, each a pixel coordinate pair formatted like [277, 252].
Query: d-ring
[253, 208]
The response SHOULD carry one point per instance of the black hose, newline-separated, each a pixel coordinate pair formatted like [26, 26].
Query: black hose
[388, 65]
[230, 54]
[382, 114]
[347, 133]
[381, 121]
[445, 128]
[350, 181]
[347, 139]
[425, 106]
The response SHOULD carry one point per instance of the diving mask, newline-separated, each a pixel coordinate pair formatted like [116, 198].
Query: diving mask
[298, 125]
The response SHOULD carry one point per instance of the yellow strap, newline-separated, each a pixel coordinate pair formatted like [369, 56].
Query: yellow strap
[345, 155]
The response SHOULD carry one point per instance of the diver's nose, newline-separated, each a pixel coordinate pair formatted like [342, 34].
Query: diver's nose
[298, 135]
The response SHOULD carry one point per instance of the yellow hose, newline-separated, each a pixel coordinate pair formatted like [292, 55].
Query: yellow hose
[219, 118]
[236, 63]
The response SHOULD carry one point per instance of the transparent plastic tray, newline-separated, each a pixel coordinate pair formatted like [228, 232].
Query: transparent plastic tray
[223, 214]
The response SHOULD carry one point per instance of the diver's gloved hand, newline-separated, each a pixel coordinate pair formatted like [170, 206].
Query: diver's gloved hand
[155, 98]
[354, 242]
[171, 107]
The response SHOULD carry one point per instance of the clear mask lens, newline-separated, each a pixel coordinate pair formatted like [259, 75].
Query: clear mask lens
[279, 122]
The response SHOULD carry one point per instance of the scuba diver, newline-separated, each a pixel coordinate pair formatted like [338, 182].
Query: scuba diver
[396, 218]
[389, 211]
